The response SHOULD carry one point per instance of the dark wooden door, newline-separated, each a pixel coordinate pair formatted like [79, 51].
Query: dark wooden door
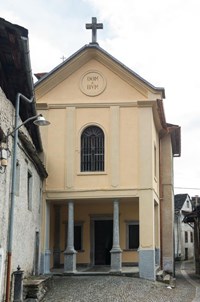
[103, 232]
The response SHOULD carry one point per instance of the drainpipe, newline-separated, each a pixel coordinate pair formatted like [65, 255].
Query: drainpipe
[25, 44]
[161, 201]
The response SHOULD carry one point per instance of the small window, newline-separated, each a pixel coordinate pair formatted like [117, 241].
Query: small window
[92, 149]
[132, 235]
[29, 190]
[155, 161]
[191, 237]
[188, 203]
[78, 237]
[17, 182]
[186, 237]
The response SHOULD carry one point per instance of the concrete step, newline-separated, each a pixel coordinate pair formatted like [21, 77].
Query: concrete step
[35, 288]
[163, 276]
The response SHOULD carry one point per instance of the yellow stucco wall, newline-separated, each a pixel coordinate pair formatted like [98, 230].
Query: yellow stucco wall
[115, 111]
[124, 112]
[129, 211]
[68, 91]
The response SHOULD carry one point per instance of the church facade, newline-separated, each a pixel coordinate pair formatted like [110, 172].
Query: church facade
[108, 199]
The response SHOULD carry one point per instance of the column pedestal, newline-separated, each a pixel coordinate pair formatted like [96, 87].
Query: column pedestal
[116, 260]
[47, 257]
[70, 262]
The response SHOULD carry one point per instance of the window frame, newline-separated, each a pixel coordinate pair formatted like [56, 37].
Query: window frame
[155, 161]
[128, 224]
[93, 166]
[191, 237]
[29, 189]
[186, 237]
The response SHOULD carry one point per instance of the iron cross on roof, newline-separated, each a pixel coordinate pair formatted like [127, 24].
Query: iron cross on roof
[94, 26]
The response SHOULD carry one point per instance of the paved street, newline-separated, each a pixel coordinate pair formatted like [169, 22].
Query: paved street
[125, 289]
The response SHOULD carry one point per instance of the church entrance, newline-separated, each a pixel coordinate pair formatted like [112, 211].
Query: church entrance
[103, 239]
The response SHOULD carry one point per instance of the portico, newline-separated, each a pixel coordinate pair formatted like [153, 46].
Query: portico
[90, 233]
[109, 155]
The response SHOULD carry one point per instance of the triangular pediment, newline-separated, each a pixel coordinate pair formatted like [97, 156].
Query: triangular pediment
[92, 72]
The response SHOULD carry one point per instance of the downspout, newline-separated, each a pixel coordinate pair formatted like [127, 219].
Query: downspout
[161, 201]
[25, 44]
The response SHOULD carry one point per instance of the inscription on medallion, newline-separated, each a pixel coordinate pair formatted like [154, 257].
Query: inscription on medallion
[92, 83]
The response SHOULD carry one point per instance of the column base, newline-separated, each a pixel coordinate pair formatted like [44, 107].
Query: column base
[168, 264]
[147, 264]
[157, 256]
[116, 260]
[70, 262]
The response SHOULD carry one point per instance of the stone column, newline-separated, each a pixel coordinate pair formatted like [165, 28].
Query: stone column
[70, 253]
[116, 252]
[47, 254]
[56, 250]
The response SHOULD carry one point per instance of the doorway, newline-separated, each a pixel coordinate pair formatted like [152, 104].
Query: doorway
[103, 239]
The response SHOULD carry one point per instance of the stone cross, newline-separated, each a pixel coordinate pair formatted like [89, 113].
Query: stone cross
[94, 26]
[63, 58]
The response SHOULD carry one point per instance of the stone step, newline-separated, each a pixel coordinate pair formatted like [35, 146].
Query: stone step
[35, 288]
[162, 276]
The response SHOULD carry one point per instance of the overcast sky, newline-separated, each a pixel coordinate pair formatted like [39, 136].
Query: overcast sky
[158, 39]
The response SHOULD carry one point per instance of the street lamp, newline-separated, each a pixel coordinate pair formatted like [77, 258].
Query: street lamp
[39, 121]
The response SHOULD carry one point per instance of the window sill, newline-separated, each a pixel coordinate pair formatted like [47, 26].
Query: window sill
[131, 250]
[91, 173]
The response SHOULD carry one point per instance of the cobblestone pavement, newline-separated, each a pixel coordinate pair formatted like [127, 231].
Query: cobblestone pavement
[120, 289]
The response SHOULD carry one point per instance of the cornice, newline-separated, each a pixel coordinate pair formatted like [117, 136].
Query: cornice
[45, 106]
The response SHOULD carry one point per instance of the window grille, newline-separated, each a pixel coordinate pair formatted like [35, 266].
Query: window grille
[92, 149]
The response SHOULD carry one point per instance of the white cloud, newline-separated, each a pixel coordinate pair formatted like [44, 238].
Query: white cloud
[158, 39]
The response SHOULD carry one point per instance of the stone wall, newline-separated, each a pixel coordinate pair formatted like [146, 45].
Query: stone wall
[26, 217]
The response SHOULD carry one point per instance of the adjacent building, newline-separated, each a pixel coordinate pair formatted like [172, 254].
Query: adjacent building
[183, 232]
[15, 78]
[109, 196]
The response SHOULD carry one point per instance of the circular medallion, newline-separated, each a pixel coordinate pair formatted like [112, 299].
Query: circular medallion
[92, 83]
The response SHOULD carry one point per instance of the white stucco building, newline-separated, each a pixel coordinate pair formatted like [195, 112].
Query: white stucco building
[183, 232]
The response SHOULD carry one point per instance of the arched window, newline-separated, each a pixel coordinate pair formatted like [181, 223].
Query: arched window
[92, 149]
